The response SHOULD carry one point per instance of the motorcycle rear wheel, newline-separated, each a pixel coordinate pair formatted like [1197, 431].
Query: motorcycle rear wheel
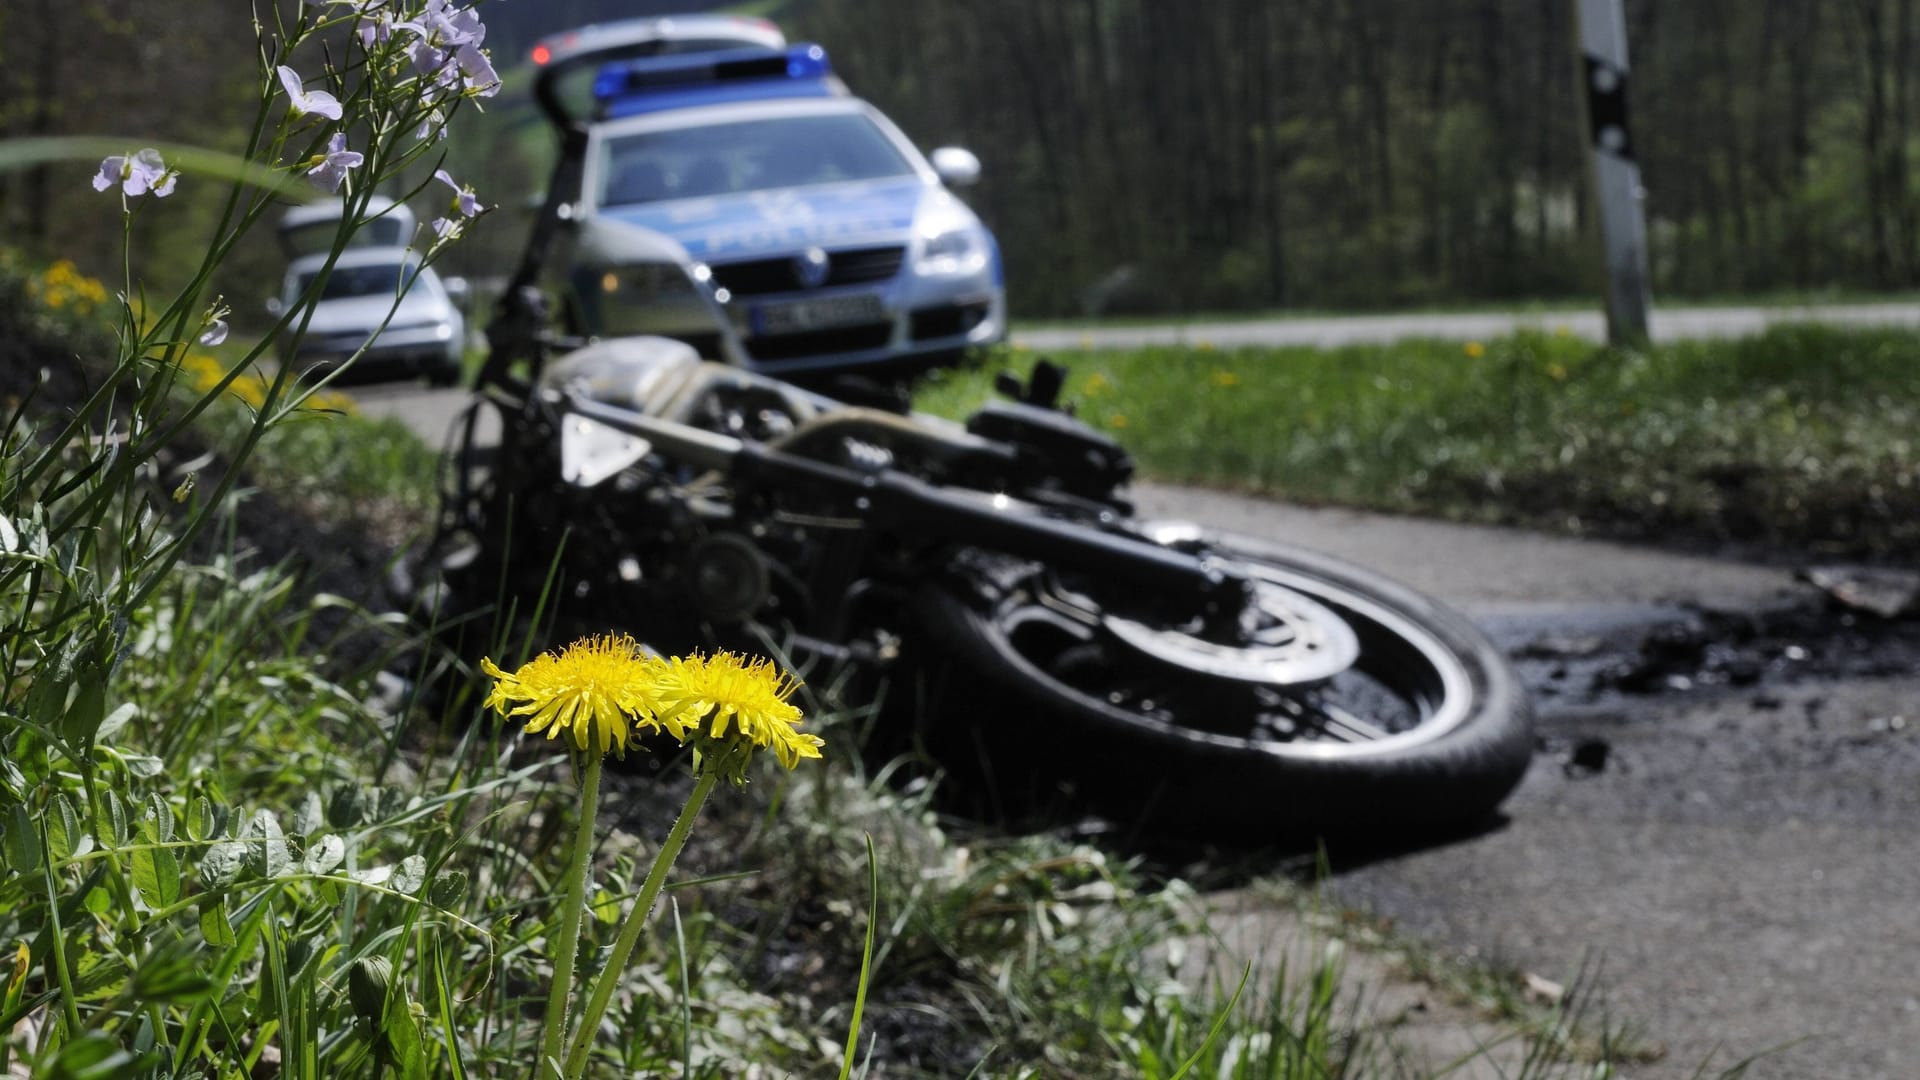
[1427, 730]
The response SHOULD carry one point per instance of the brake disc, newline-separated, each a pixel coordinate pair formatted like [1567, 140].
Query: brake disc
[1283, 639]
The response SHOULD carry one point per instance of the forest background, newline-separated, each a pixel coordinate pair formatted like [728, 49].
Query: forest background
[1152, 158]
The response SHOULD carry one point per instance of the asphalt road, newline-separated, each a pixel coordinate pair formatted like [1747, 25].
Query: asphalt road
[1741, 863]
[1668, 325]
[1744, 867]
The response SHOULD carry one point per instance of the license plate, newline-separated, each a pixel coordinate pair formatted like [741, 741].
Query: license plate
[798, 316]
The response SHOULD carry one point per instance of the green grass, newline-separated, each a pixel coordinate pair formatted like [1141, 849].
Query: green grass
[1802, 438]
[1572, 305]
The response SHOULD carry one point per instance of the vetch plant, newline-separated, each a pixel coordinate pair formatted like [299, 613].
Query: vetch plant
[603, 694]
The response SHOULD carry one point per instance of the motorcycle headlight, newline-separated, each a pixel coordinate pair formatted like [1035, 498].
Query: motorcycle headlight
[955, 251]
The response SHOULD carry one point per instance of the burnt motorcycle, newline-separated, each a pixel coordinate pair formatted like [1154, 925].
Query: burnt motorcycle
[987, 581]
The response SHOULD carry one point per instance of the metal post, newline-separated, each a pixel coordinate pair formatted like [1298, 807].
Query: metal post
[1623, 223]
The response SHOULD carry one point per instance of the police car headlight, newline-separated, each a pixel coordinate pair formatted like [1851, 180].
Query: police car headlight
[956, 251]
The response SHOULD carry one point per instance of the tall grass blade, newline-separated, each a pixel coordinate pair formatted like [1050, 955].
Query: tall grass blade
[866, 960]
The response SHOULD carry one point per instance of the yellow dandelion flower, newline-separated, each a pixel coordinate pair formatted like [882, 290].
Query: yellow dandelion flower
[251, 389]
[1224, 378]
[602, 689]
[1474, 349]
[1557, 372]
[1203, 345]
[332, 401]
[1117, 420]
[1096, 385]
[748, 697]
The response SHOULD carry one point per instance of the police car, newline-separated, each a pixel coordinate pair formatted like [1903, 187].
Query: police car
[743, 201]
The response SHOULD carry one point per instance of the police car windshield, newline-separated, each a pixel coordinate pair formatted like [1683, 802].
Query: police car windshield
[746, 155]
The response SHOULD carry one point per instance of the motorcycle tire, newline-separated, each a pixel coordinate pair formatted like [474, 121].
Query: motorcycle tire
[1003, 710]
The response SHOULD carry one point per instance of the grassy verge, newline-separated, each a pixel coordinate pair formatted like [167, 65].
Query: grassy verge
[1801, 438]
[1570, 305]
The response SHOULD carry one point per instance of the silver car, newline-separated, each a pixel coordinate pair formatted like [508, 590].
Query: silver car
[382, 300]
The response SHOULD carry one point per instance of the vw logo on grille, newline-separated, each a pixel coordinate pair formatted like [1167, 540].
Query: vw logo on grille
[810, 268]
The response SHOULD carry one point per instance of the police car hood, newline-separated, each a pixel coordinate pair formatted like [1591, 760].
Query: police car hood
[762, 223]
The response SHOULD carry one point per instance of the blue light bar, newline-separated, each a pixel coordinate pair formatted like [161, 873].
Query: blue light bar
[631, 78]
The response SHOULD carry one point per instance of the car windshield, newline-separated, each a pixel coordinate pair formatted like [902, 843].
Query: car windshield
[346, 282]
[747, 155]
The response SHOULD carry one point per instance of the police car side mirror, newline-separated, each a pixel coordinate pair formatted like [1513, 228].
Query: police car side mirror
[956, 167]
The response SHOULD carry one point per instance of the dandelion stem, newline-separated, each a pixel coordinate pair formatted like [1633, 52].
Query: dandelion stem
[636, 919]
[566, 943]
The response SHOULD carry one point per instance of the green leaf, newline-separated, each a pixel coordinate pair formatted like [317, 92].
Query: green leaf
[116, 720]
[348, 807]
[9, 536]
[92, 1056]
[97, 901]
[156, 875]
[325, 854]
[409, 875]
[159, 819]
[23, 842]
[142, 766]
[310, 817]
[201, 822]
[12, 779]
[110, 818]
[47, 697]
[89, 709]
[222, 863]
[27, 153]
[406, 1049]
[449, 886]
[214, 925]
[170, 974]
[268, 846]
[64, 833]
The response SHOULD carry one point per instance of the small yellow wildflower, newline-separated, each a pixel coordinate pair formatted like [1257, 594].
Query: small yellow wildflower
[601, 689]
[724, 691]
[332, 401]
[1117, 420]
[1557, 372]
[1474, 349]
[1096, 385]
[251, 389]
[1203, 345]
[1223, 378]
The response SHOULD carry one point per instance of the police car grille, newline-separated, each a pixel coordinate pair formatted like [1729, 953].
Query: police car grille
[851, 266]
